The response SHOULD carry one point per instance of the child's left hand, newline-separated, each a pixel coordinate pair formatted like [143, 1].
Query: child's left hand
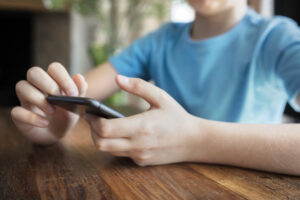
[165, 133]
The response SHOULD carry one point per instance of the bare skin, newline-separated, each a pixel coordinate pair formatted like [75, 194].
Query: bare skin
[43, 123]
[145, 137]
[217, 16]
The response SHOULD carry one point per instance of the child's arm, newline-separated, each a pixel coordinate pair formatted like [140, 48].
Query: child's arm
[265, 147]
[259, 146]
[101, 82]
[166, 133]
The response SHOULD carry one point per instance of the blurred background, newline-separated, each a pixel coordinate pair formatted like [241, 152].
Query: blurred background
[82, 34]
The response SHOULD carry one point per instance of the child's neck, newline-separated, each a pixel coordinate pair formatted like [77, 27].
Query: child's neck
[211, 26]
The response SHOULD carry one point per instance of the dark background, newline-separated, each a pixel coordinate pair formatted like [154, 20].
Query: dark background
[15, 51]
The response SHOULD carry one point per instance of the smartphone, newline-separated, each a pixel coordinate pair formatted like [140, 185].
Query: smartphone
[81, 105]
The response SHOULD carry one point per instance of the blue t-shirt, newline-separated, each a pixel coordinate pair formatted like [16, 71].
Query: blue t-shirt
[245, 75]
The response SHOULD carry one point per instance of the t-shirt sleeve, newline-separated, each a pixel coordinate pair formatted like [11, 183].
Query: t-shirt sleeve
[133, 61]
[285, 48]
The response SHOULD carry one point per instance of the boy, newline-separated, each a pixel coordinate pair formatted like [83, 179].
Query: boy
[229, 65]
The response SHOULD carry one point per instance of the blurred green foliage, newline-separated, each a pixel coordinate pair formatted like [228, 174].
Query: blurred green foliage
[119, 22]
[100, 53]
[85, 7]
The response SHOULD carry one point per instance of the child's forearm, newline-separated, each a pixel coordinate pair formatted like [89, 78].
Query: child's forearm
[265, 147]
[101, 81]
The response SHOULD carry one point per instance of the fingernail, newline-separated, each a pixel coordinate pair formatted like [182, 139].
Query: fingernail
[123, 79]
[42, 122]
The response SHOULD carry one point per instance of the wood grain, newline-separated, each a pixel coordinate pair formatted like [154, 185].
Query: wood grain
[73, 169]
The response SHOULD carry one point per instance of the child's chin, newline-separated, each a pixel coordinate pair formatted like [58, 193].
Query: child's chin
[206, 11]
[208, 7]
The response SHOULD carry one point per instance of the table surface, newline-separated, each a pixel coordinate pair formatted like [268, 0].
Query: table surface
[73, 169]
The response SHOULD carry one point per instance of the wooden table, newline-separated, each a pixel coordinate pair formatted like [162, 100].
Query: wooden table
[73, 169]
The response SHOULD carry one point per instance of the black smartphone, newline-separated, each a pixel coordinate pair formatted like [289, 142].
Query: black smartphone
[81, 105]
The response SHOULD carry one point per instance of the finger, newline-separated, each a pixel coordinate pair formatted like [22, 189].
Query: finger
[63, 79]
[152, 94]
[81, 84]
[33, 108]
[114, 128]
[22, 115]
[41, 80]
[28, 93]
[111, 145]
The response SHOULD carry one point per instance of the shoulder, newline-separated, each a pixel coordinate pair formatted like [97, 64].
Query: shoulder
[275, 25]
[283, 27]
[279, 29]
[271, 35]
[279, 35]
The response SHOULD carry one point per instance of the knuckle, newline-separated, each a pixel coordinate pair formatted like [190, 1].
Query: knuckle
[100, 145]
[32, 118]
[138, 147]
[137, 84]
[143, 155]
[53, 67]
[104, 129]
[54, 90]
[146, 128]
[140, 162]
[68, 83]
[163, 96]
[139, 81]
[143, 146]
[31, 96]
[140, 151]
[32, 72]
[20, 85]
[14, 112]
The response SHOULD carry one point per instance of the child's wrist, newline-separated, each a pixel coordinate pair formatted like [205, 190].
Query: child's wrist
[198, 142]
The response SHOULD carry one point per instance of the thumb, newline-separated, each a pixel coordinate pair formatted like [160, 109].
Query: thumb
[152, 94]
[81, 84]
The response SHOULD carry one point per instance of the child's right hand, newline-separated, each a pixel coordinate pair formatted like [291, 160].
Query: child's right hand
[39, 121]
